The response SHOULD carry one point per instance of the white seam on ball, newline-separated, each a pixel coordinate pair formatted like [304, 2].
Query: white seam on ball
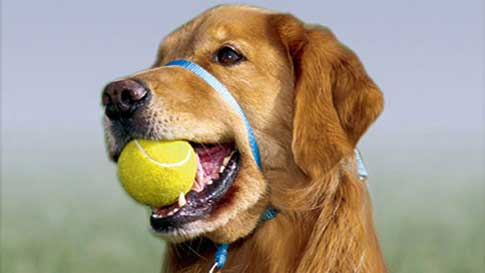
[165, 165]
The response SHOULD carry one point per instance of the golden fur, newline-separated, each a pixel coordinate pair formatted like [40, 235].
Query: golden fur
[309, 101]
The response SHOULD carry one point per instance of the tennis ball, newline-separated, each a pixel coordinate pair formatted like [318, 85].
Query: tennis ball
[154, 173]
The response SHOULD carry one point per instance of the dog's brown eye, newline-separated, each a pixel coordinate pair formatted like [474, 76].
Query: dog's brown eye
[228, 56]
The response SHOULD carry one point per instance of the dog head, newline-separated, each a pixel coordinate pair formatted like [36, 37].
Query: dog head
[307, 98]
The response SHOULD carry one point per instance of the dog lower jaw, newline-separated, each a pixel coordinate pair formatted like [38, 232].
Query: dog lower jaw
[225, 229]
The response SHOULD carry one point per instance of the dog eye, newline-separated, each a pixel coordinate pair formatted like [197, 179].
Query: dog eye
[227, 55]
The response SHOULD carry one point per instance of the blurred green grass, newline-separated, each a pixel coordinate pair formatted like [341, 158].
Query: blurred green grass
[51, 230]
[64, 216]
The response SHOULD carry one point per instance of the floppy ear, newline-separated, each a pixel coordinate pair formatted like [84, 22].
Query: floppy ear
[335, 100]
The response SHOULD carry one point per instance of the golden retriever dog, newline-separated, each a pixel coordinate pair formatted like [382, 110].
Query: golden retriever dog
[308, 100]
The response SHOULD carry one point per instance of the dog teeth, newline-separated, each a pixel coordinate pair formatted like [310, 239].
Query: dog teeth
[182, 200]
[209, 182]
[170, 213]
[156, 215]
[226, 160]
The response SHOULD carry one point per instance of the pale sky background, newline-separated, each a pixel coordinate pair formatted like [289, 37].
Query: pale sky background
[427, 57]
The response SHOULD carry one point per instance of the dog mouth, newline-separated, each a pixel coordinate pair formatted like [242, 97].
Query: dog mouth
[217, 168]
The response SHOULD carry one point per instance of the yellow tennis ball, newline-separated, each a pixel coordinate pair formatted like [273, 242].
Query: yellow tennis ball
[154, 173]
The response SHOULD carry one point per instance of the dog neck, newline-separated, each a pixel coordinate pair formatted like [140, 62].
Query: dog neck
[326, 227]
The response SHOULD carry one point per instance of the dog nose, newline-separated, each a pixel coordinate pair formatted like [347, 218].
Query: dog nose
[122, 98]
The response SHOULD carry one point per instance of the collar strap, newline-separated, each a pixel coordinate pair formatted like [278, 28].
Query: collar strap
[222, 90]
[270, 213]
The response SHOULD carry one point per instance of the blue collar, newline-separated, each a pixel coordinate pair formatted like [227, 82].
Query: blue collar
[270, 213]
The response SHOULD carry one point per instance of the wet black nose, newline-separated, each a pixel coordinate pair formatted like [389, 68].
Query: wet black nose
[122, 98]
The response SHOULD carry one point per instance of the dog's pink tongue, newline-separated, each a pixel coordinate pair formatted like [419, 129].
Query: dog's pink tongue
[209, 162]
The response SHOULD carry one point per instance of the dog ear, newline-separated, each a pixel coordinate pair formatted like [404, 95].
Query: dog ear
[335, 100]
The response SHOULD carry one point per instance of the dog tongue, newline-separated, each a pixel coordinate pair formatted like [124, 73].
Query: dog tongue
[209, 162]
